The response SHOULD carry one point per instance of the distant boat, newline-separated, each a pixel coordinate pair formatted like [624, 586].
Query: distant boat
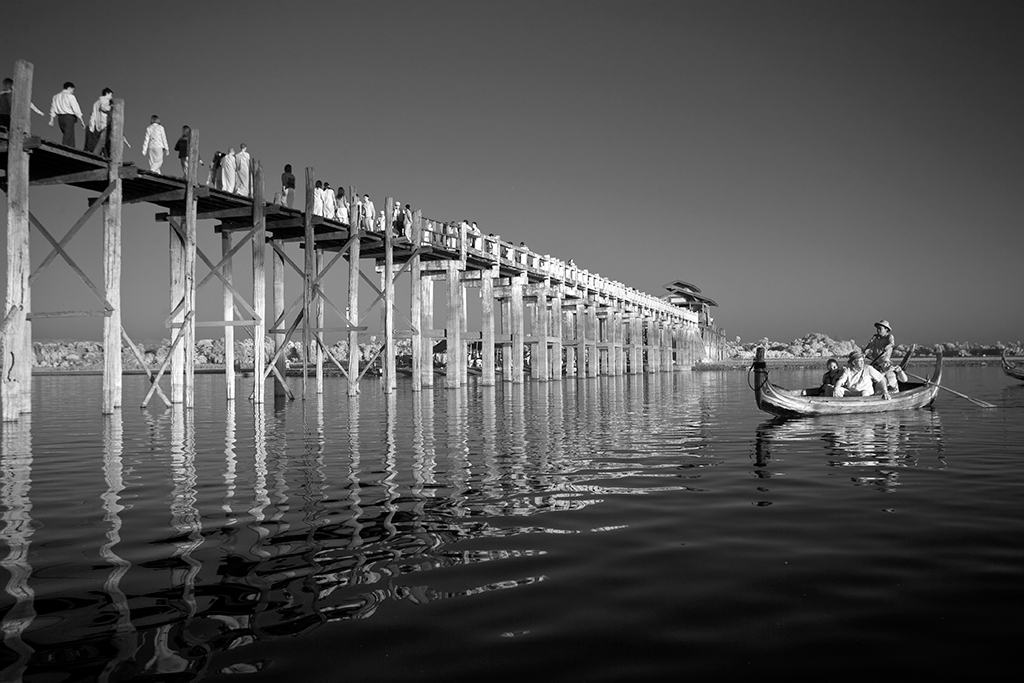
[1013, 370]
[793, 402]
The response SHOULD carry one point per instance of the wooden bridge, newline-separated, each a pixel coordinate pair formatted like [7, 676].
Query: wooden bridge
[574, 323]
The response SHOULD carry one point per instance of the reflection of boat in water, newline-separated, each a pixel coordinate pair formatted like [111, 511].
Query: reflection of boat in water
[793, 402]
[851, 440]
[1011, 369]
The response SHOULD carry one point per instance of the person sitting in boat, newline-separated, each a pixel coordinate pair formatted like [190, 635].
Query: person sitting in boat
[861, 380]
[833, 373]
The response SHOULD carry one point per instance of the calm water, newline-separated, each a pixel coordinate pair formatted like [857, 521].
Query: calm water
[595, 530]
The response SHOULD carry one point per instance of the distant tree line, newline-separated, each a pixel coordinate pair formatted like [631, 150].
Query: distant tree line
[818, 345]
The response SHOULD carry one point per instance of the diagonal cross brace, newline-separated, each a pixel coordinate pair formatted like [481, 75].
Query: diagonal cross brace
[57, 248]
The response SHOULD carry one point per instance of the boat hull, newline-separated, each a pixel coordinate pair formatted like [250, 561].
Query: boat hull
[1012, 369]
[793, 402]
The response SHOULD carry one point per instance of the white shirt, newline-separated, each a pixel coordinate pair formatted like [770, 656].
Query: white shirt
[65, 102]
[156, 138]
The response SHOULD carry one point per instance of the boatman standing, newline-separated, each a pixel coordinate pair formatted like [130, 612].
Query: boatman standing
[879, 350]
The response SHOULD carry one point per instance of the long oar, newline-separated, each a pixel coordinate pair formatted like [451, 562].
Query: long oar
[983, 404]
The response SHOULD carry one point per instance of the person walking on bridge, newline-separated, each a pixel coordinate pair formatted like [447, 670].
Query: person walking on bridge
[154, 145]
[64, 108]
[242, 164]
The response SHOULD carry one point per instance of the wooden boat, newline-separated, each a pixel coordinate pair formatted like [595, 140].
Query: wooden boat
[791, 402]
[1013, 370]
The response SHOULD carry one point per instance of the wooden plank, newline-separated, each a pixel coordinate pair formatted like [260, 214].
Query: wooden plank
[191, 238]
[169, 196]
[517, 364]
[112, 367]
[40, 315]
[96, 175]
[236, 212]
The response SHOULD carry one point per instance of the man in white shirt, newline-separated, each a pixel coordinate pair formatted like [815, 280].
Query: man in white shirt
[860, 379]
[64, 107]
[154, 145]
[242, 172]
[369, 213]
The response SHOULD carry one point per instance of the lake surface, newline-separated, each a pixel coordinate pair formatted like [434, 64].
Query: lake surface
[610, 529]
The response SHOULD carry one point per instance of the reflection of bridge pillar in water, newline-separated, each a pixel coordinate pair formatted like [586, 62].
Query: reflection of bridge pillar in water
[15, 485]
[125, 639]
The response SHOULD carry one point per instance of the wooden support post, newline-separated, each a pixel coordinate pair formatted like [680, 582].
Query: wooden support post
[517, 327]
[487, 358]
[540, 368]
[112, 265]
[655, 352]
[416, 303]
[229, 314]
[593, 329]
[353, 295]
[309, 249]
[636, 347]
[17, 337]
[453, 326]
[389, 375]
[177, 291]
[320, 326]
[555, 316]
[259, 284]
[189, 275]
[279, 337]
[580, 347]
[618, 338]
[428, 324]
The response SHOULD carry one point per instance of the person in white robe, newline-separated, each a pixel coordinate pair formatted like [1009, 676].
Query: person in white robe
[242, 169]
[154, 145]
[228, 171]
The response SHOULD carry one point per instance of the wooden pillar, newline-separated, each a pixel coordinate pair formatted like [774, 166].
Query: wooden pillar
[487, 357]
[555, 317]
[453, 326]
[592, 325]
[389, 376]
[617, 335]
[278, 266]
[427, 297]
[319, 327]
[353, 295]
[541, 323]
[505, 313]
[636, 346]
[655, 345]
[416, 302]
[259, 284]
[309, 263]
[517, 326]
[112, 265]
[17, 333]
[229, 314]
[177, 291]
[189, 275]
[580, 347]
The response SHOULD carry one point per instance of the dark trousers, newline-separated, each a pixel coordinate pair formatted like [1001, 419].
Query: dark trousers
[5, 121]
[67, 127]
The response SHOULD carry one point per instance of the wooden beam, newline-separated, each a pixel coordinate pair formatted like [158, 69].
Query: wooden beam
[278, 312]
[307, 276]
[227, 301]
[170, 196]
[416, 304]
[74, 230]
[389, 298]
[96, 175]
[40, 315]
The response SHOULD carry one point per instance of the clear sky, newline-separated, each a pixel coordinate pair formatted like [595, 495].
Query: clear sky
[811, 166]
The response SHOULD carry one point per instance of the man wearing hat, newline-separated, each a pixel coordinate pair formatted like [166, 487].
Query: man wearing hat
[860, 379]
[878, 351]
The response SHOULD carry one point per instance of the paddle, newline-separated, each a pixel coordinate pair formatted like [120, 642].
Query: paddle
[983, 404]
